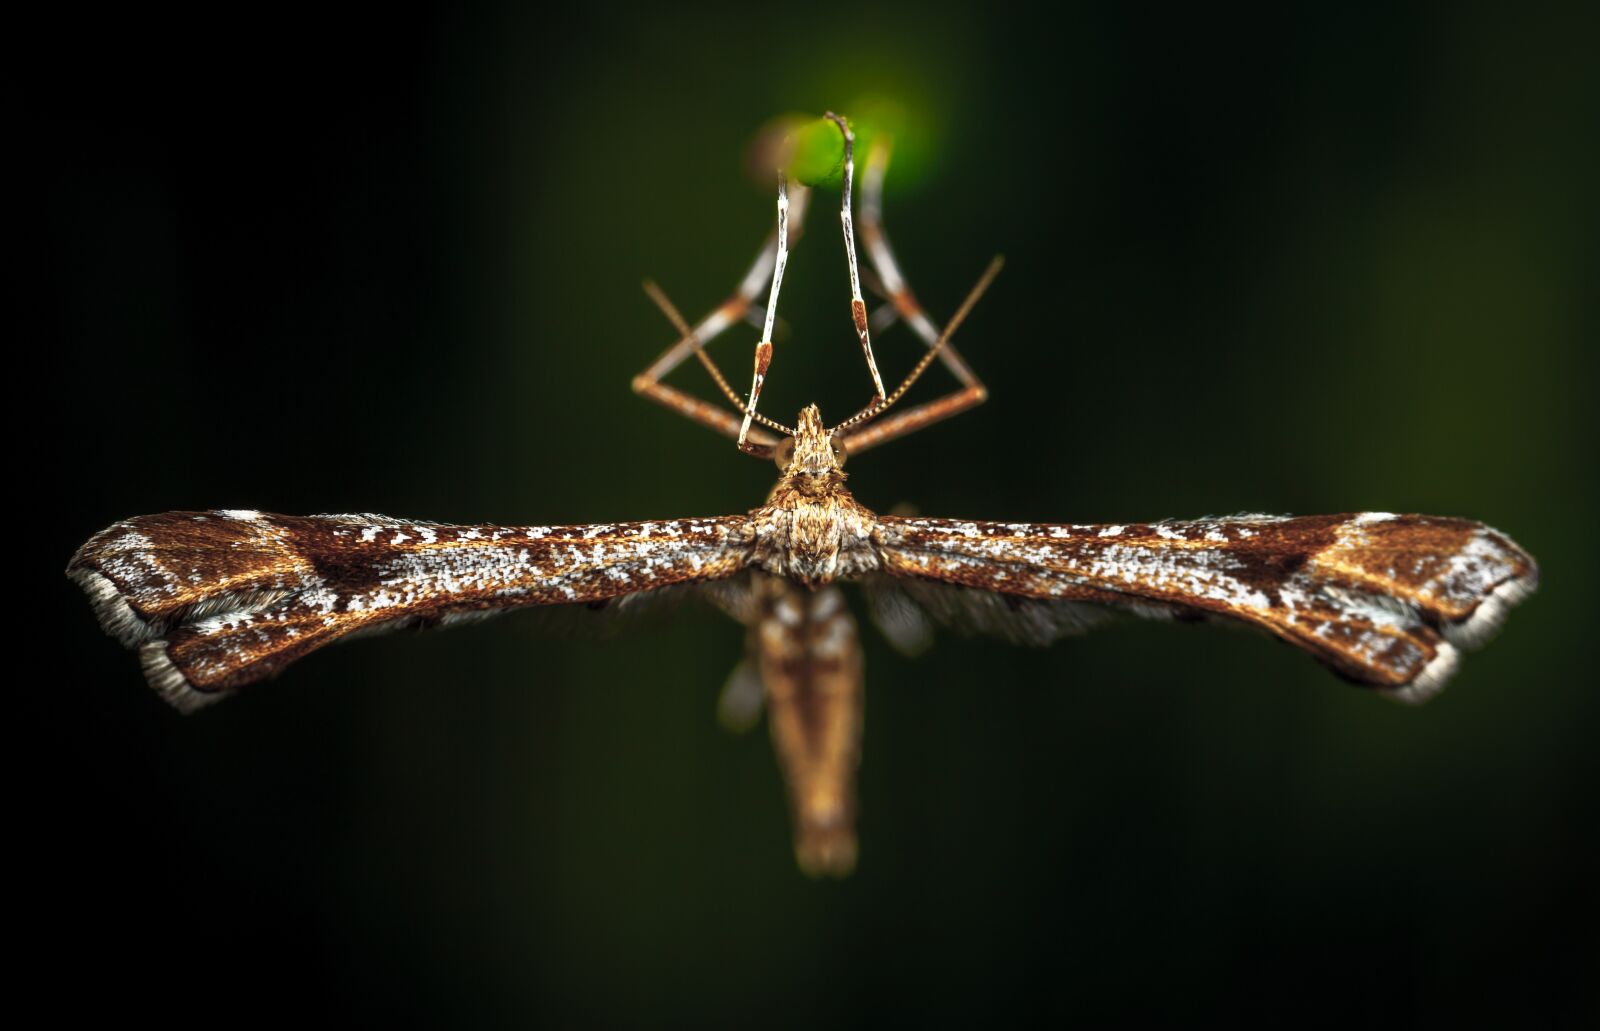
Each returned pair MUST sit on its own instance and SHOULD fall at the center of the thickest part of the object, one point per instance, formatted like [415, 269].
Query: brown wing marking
[217, 600]
[1383, 599]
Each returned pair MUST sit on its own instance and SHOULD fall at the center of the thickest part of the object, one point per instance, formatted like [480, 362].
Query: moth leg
[858, 307]
[847, 430]
[687, 404]
[903, 304]
[763, 356]
[742, 698]
[737, 308]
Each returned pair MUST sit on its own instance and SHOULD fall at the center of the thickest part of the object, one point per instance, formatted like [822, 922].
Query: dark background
[1303, 264]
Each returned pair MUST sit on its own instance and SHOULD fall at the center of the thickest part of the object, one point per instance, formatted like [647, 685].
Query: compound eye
[839, 453]
[784, 454]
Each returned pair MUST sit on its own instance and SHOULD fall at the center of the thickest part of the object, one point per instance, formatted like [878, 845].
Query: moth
[215, 601]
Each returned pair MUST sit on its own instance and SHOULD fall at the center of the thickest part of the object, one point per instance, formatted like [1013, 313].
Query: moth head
[811, 452]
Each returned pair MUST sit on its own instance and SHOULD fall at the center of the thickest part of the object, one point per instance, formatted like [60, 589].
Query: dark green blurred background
[340, 263]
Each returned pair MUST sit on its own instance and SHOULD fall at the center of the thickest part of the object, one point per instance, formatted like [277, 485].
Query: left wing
[1382, 599]
[217, 600]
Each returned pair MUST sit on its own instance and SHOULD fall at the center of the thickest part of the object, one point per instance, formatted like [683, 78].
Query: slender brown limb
[763, 356]
[876, 240]
[705, 413]
[670, 310]
[858, 307]
[913, 419]
[872, 411]
[903, 305]
[733, 310]
[688, 405]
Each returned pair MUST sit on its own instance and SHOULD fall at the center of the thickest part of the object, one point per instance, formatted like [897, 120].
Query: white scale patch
[787, 610]
[1471, 571]
[130, 559]
[836, 637]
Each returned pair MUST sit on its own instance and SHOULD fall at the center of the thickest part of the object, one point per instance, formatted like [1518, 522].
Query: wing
[1382, 599]
[217, 600]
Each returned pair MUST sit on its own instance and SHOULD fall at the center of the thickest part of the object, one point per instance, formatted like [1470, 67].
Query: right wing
[1382, 599]
[217, 600]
